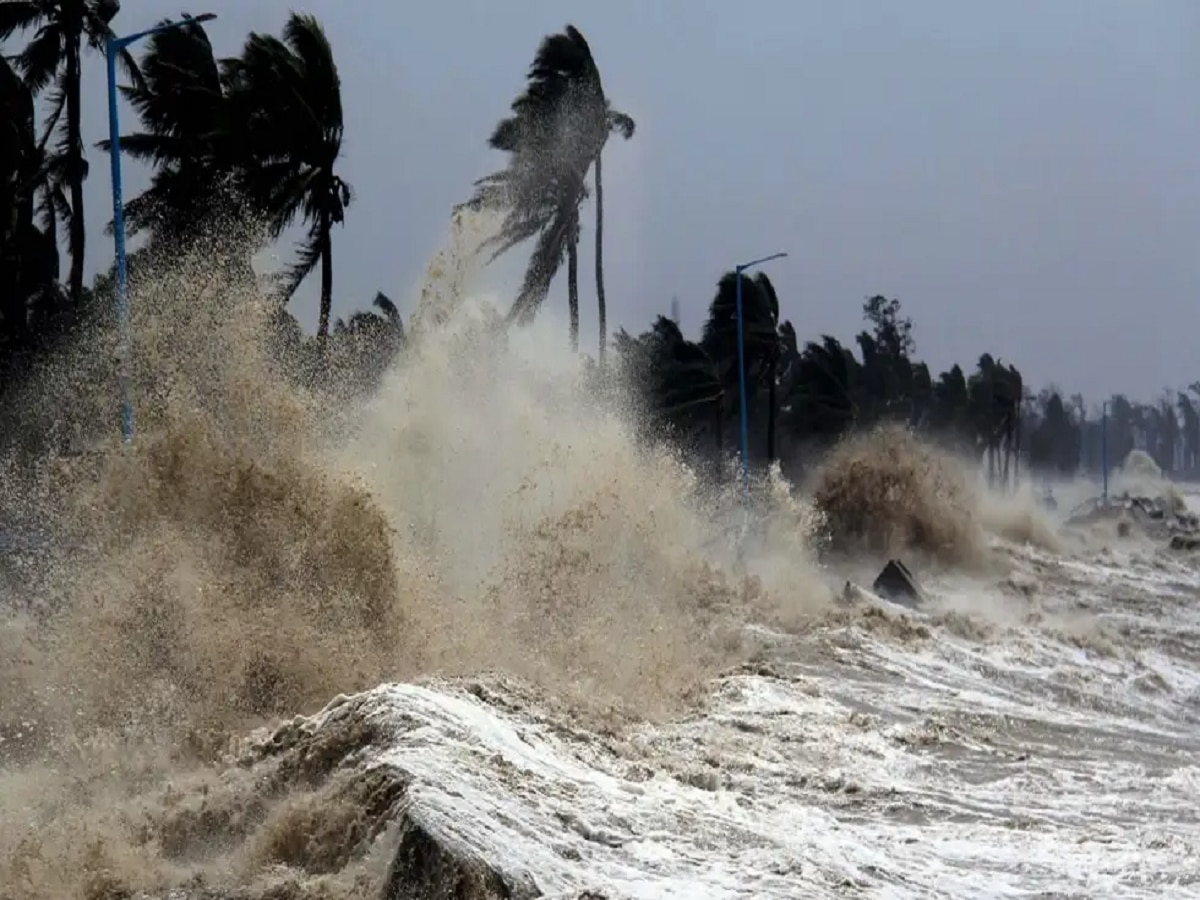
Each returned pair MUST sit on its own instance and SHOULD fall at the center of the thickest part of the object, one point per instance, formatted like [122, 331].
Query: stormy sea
[475, 636]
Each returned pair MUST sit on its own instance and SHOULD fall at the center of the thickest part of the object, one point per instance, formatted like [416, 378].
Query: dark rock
[432, 867]
[898, 584]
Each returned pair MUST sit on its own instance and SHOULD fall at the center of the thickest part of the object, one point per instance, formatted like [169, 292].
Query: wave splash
[264, 546]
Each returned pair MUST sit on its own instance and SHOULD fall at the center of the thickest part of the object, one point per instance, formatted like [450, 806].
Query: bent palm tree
[54, 56]
[287, 92]
[557, 129]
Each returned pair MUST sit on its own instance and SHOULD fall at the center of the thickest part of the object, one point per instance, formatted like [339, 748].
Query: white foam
[936, 767]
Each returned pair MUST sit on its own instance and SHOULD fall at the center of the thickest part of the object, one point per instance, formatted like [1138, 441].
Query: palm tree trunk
[719, 429]
[1017, 449]
[326, 280]
[600, 303]
[76, 165]
[1008, 448]
[771, 411]
[573, 291]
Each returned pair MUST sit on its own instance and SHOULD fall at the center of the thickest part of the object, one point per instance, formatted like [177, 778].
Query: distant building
[675, 310]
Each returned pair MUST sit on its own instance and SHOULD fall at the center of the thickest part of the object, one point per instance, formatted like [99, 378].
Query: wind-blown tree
[1189, 433]
[679, 386]
[1055, 439]
[368, 342]
[894, 387]
[18, 165]
[31, 308]
[951, 412]
[1122, 427]
[996, 392]
[187, 136]
[761, 338]
[823, 403]
[1169, 434]
[285, 95]
[53, 57]
[556, 132]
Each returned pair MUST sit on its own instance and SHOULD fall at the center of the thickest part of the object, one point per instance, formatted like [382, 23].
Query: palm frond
[41, 58]
[621, 123]
[307, 259]
[58, 103]
[20, 15]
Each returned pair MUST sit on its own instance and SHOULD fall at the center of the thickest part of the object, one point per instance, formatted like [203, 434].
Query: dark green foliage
[52, 60]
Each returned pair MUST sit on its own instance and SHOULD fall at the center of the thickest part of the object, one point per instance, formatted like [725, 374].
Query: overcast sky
[1022, 175]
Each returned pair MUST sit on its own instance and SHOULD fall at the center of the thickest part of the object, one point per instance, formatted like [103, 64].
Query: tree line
[259, 134]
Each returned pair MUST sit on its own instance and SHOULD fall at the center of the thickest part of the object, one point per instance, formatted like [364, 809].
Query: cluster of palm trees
[256, 133]
[257, 137]
[1064, 437]
[261, 133]
[804, 399]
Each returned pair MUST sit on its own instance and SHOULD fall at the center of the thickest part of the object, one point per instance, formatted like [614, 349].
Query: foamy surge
[677, 704]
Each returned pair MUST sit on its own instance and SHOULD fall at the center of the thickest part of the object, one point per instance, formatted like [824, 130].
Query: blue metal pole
[743, 414]
[741, 342]
[1104, 447]
[113, 47]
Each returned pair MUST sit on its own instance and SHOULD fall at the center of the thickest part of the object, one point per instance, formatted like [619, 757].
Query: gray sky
[1021, 175]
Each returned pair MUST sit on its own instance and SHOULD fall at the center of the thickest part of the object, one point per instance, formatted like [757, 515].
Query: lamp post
[113, 47]
[1104, 448]
[741, 342]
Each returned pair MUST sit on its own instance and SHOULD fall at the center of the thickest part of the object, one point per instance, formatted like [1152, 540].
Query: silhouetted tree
[557, 131]
[188, 136]
[54, 57]
[286, 95]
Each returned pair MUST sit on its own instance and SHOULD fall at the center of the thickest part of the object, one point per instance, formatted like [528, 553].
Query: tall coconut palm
[286, 95]
[557, 129]
[624, 125]
[53, 56]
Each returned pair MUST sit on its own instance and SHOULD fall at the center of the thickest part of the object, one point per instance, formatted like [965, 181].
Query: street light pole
[1104, 447]
[741, 342]
[113, 48]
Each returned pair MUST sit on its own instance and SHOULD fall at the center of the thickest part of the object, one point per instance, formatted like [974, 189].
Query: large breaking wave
[262, 548]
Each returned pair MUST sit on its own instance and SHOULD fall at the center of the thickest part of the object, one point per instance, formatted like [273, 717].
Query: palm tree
[18, 162]
[54, 57]
[624, 125]
[761, 337]
[185, 116]
[557, 130]
[31, 307]
[286, 95]
[679, 384]
[823, 402]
